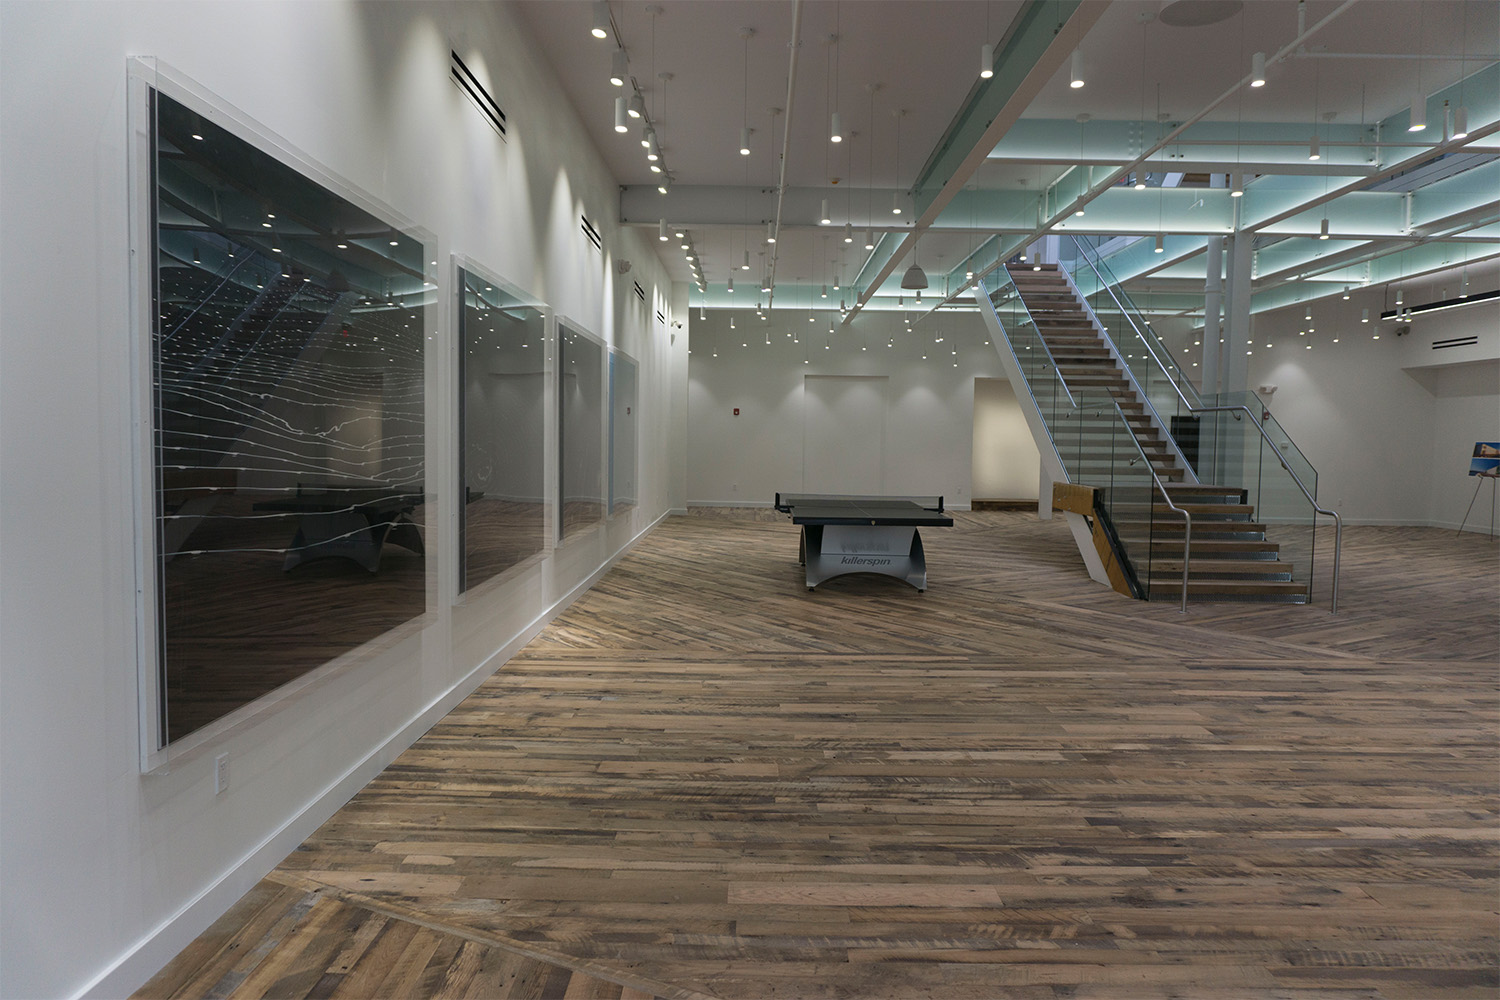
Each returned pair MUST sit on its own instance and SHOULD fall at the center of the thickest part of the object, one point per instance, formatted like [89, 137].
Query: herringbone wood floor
[704, 780]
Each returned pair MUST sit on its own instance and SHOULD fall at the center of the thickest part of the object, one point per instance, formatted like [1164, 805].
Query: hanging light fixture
[848, 232]
[770, 231]
[1463, 286]
[637, 107]
[746, 265]
[665, 184]
[1140, 182]
[1364, 315]
[744, 142]
[895, 202]
[1075, 74]
[1461, 123]
[1236, 185]
[824, 218]
[869, 240]
[1258, 70]
[1418, 113]
[1160, 244]
[1323, 229]
[661, 230]
[618, 68]
[986, 61]
[620, 124]
[601, 20]
[836, 131]
[824, 295]
[1315, 149]
[653, 150]
[915, 277]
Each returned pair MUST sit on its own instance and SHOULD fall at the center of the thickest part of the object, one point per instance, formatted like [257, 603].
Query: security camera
[623, 265]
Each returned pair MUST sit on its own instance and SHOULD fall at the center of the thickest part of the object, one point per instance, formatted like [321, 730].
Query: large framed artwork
[503, 387]
[624, 418]
[580, 429]
[283, 481]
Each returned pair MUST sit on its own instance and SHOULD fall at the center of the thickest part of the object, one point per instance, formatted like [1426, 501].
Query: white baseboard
[162, 943]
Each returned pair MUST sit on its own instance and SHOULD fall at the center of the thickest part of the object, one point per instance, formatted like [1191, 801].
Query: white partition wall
[108, 871]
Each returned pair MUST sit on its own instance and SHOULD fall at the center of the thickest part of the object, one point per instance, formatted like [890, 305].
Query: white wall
[1007, 465]
[108, 872]
[1387, 423]
[929, 425]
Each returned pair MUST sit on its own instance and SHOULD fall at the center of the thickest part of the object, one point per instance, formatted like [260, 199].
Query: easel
[1493, 481]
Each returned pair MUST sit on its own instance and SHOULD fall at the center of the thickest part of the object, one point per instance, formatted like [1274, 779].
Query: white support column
[1213, 290]
[1234, 367]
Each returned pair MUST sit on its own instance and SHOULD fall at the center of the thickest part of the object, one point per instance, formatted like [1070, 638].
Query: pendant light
[1461, 123]
[600, 28]
[1160, 244]
[618, 68]
[770, 231]
[661, 230]
[848, 233]
[746, 265]
[869, 240]
[836, 131]
[915, 277]
[637, 106]
[744, 142]
[1237, 186]
[986, 61]
[1418, 113]
[1258, 70]
[620, 124]
[1075, 74]
[1315, 149]
[824, 218]
[1323, 229]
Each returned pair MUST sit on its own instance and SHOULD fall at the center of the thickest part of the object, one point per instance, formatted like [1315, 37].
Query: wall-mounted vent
[660, 316]
[640, 292]
[470, 85]
[592, 233]
[1438, 345]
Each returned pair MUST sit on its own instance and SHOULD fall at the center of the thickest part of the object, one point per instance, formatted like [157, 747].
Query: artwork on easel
[1486, 460]
[1485, 464]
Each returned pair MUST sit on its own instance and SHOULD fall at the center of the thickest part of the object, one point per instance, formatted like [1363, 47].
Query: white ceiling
[922, 56]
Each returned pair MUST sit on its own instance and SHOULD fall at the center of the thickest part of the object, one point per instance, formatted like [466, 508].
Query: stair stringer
[1052, 464]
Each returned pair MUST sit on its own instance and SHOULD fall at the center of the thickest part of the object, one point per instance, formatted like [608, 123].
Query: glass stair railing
[1229, 440]
[1088, 429]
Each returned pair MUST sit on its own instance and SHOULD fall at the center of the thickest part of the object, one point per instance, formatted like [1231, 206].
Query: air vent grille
[1438, 345]
[640, 292]
[470, 85]
[592, 233]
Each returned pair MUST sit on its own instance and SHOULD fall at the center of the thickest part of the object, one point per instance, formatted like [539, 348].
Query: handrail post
[1338, 545]
[1187, 544]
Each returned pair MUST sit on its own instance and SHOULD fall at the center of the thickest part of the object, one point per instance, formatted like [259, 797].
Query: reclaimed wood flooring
[703, 780]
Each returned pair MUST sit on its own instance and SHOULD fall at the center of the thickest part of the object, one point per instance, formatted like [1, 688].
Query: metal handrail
[1040, 339]
[1338, 522]
[1187, 518]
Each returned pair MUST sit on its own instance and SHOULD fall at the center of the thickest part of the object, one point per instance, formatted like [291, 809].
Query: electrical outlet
[221, 774]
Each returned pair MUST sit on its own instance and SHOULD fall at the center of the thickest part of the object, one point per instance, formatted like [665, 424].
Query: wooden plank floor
[703, 780]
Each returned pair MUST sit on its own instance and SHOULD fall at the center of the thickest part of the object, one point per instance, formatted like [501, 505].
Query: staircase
[1231, 558]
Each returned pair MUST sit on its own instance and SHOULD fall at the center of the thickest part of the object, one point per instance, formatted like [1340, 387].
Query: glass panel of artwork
[287, 411]
[502, 360]
[580, 405]
[623, 416]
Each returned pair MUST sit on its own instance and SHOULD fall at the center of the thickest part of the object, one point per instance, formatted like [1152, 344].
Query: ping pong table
[863, 534]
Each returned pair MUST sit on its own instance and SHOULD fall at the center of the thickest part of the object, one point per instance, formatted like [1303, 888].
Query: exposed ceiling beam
[1031, 55]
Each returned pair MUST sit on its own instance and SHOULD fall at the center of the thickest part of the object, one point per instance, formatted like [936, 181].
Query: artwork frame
[484, 457]
[187, 226]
